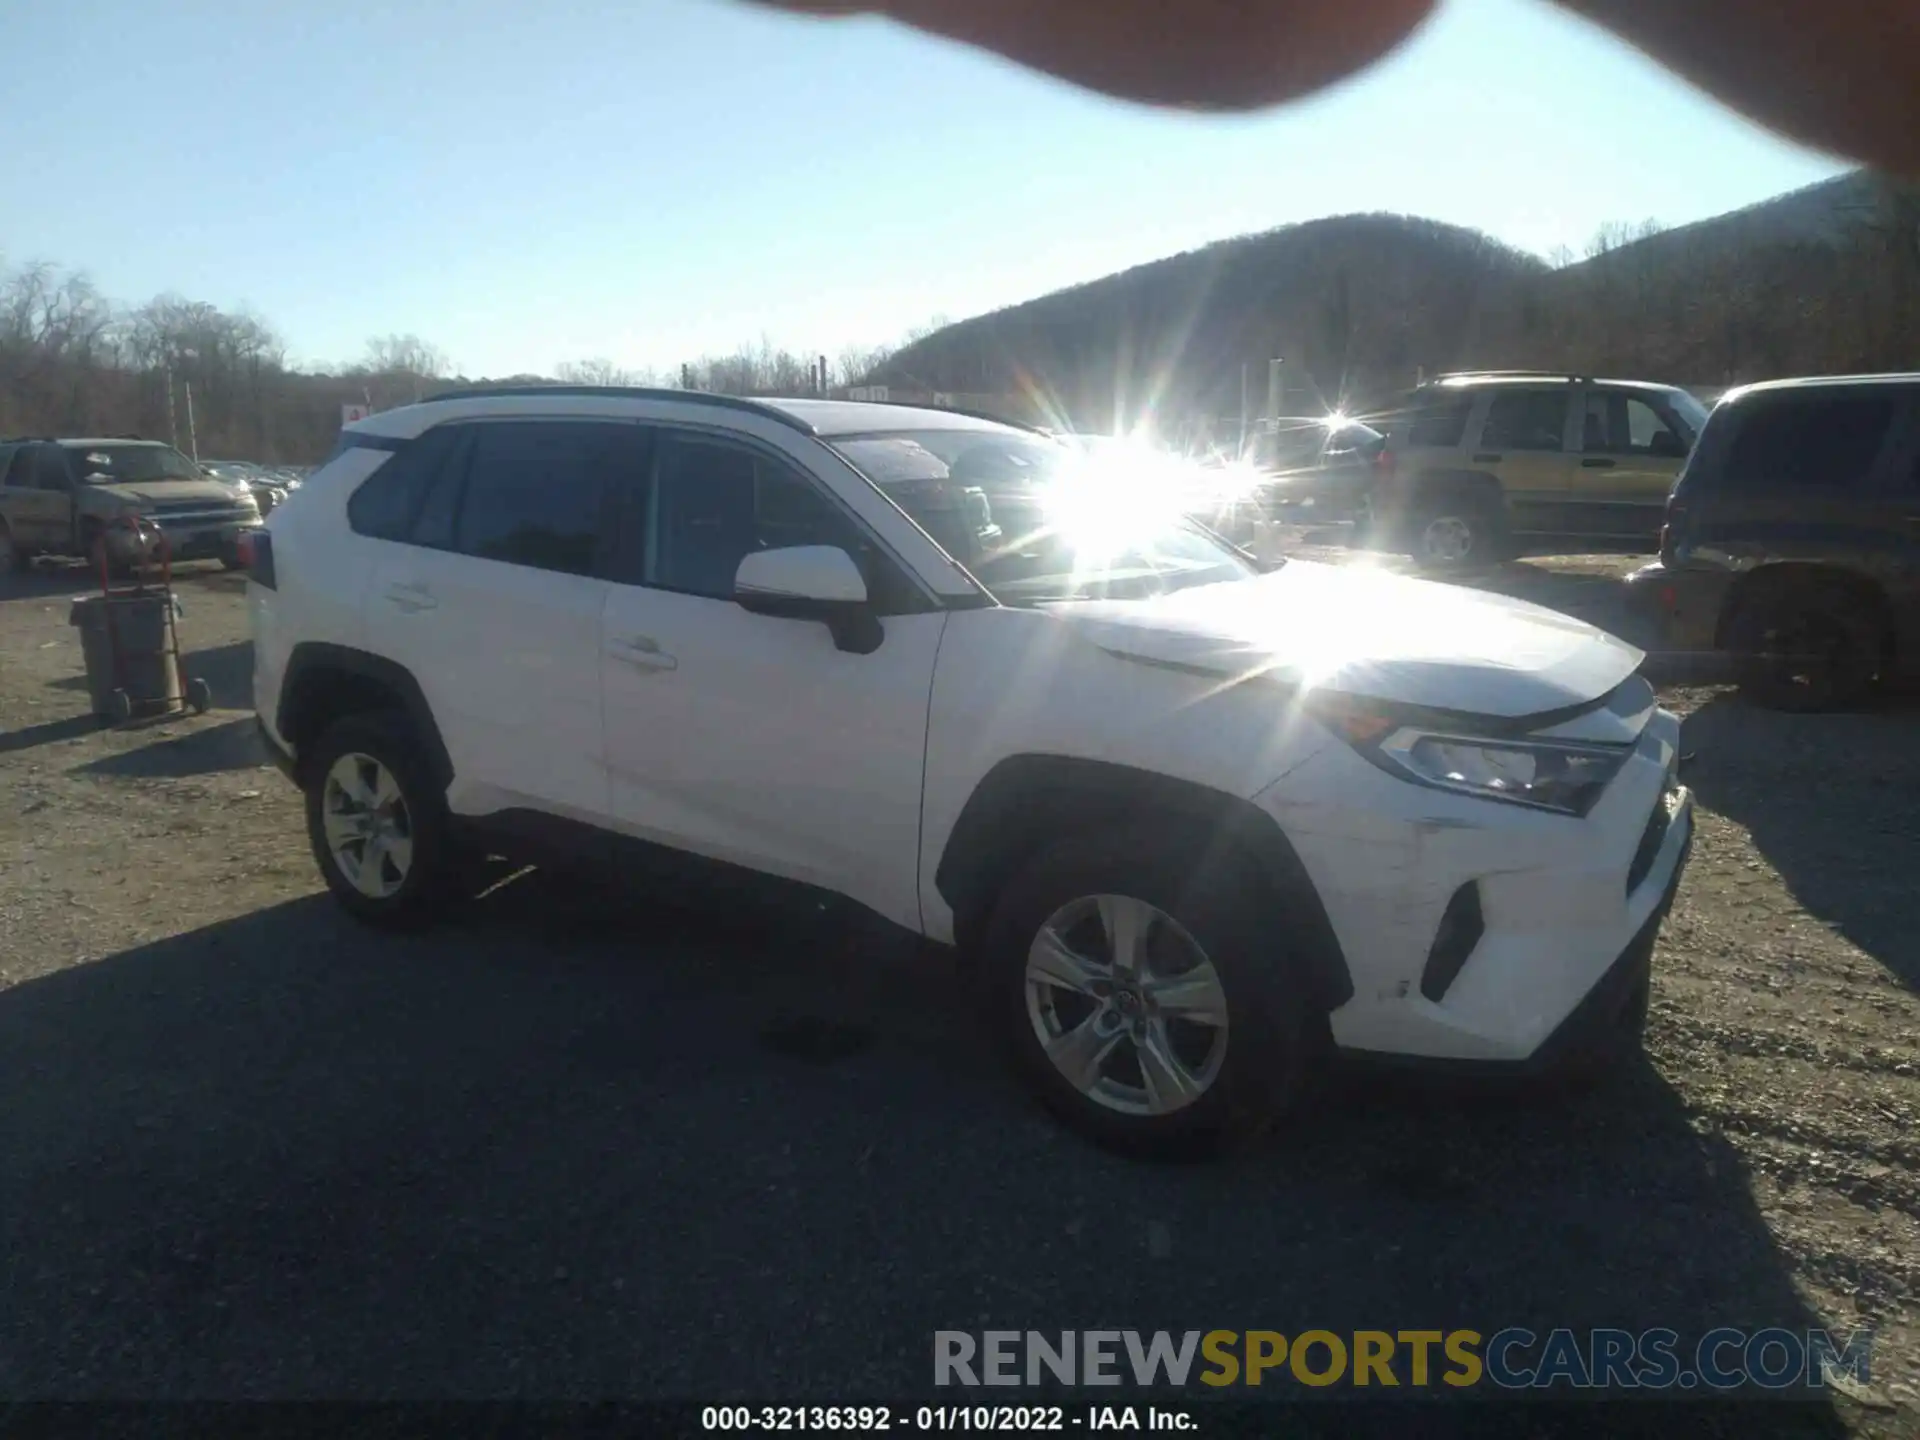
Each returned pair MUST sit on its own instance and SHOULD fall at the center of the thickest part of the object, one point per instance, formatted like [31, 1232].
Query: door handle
[1488, 459]
[644, 652]
[1596, 465]
[411, 599]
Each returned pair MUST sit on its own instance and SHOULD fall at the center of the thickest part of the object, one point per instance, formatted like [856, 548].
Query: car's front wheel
[378, 822]
[1144, 994]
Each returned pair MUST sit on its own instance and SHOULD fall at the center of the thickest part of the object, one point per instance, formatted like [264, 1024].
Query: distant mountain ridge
[1360, 306]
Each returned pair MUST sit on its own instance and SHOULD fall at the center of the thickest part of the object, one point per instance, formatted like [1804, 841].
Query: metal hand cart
[129, 632]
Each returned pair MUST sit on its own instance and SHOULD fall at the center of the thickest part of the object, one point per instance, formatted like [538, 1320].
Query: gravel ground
[592, 1143]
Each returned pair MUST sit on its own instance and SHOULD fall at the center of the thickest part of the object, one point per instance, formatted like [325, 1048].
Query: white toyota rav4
[1194, 824]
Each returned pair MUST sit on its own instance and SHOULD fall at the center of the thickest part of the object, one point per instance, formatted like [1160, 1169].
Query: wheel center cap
[1127, 1000]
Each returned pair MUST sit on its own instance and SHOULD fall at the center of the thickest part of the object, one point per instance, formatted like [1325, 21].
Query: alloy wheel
[368, 828]
[1126, 1005]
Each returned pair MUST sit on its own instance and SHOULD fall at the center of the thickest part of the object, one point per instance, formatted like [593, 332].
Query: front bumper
[214, 541]
[1562, 908]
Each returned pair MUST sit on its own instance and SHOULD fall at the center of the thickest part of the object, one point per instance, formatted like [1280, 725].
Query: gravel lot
[594, 1143]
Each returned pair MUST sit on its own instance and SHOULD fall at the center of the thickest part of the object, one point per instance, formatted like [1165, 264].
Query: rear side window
[1526, 420]
[384, 506]
[1441, 424]
[1825, 442]
[536, 492]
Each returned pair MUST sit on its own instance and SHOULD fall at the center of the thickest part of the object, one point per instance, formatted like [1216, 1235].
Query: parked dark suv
[1792, 540]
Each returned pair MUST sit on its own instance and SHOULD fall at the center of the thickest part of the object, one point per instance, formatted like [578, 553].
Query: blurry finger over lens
[1203, 54]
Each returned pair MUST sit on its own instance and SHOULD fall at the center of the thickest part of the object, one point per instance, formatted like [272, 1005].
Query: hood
[168, 492]
[1372, 635]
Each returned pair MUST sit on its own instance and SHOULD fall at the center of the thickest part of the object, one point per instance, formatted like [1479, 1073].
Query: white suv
[1195, 824]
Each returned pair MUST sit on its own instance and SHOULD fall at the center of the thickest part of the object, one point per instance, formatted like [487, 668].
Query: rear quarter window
[1438, 424]
[1826, 442]
[386, 502]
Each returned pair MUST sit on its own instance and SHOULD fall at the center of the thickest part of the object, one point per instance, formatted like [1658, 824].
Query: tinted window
[17, 470]
[713, 503]
[1443, 424]
[1526, 420]
[1828, 442]
[51, 470]
[1617, 424]
[384, 505]
[536, 492]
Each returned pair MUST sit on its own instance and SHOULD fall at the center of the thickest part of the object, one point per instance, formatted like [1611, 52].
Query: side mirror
[811, 582]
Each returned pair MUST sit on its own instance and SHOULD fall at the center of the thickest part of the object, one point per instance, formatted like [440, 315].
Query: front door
[1632, 450]
[749, 738]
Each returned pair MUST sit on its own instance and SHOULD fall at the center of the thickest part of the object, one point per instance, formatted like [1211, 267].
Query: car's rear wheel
[1457, 532]
[12, 558]
[378, 822]
[1806, 647]
[1144, 993]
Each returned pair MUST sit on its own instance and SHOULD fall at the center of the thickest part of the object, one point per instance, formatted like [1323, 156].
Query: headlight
[1560, 776]
[1544, 774]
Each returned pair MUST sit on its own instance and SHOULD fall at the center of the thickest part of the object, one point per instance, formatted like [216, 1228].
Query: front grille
[202, 514]
[1654, 835]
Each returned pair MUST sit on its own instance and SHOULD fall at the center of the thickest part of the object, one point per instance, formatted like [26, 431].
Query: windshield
[118, 464]
[1037, 521]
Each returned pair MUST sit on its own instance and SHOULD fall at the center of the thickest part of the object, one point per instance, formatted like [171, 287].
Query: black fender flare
[1027, 801]
[303, 688]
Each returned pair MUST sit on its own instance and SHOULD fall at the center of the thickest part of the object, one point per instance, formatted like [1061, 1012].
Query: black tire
[1475, 524]
[12, 558]
[199, 695]
[1806, 647]
[430, 880]
[1215, 896]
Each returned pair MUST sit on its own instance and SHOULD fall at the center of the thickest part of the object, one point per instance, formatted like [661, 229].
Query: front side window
[1620, 424]
[715, 502]
[130, 464]
[1534, 420]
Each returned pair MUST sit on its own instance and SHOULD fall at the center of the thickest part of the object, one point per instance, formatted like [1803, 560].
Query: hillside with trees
[1822, 280]
[1360, 307]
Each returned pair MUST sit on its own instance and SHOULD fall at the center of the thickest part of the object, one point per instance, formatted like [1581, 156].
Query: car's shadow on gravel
[1853, 867]
[589, 1143]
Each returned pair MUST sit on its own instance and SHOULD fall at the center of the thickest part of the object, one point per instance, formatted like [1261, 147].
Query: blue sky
[651, 180]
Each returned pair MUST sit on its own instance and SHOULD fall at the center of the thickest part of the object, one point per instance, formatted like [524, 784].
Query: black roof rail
[969, 413]
[1570, 379]
[627, 392]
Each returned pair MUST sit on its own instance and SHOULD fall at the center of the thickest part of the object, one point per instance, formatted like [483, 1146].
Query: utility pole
[173, 418]
[1245, 400]
[193, 439]
[1274, 392]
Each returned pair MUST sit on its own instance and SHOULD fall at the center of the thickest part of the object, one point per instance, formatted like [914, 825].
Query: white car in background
[1193, 826]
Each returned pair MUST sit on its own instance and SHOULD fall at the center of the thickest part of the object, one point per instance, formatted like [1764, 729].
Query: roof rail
[1513, 375]
[969, 413]
[626, 392]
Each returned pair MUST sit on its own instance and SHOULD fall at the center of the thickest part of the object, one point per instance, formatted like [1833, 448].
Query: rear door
[1632, 448]
[1525, 439]
[494, 599]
